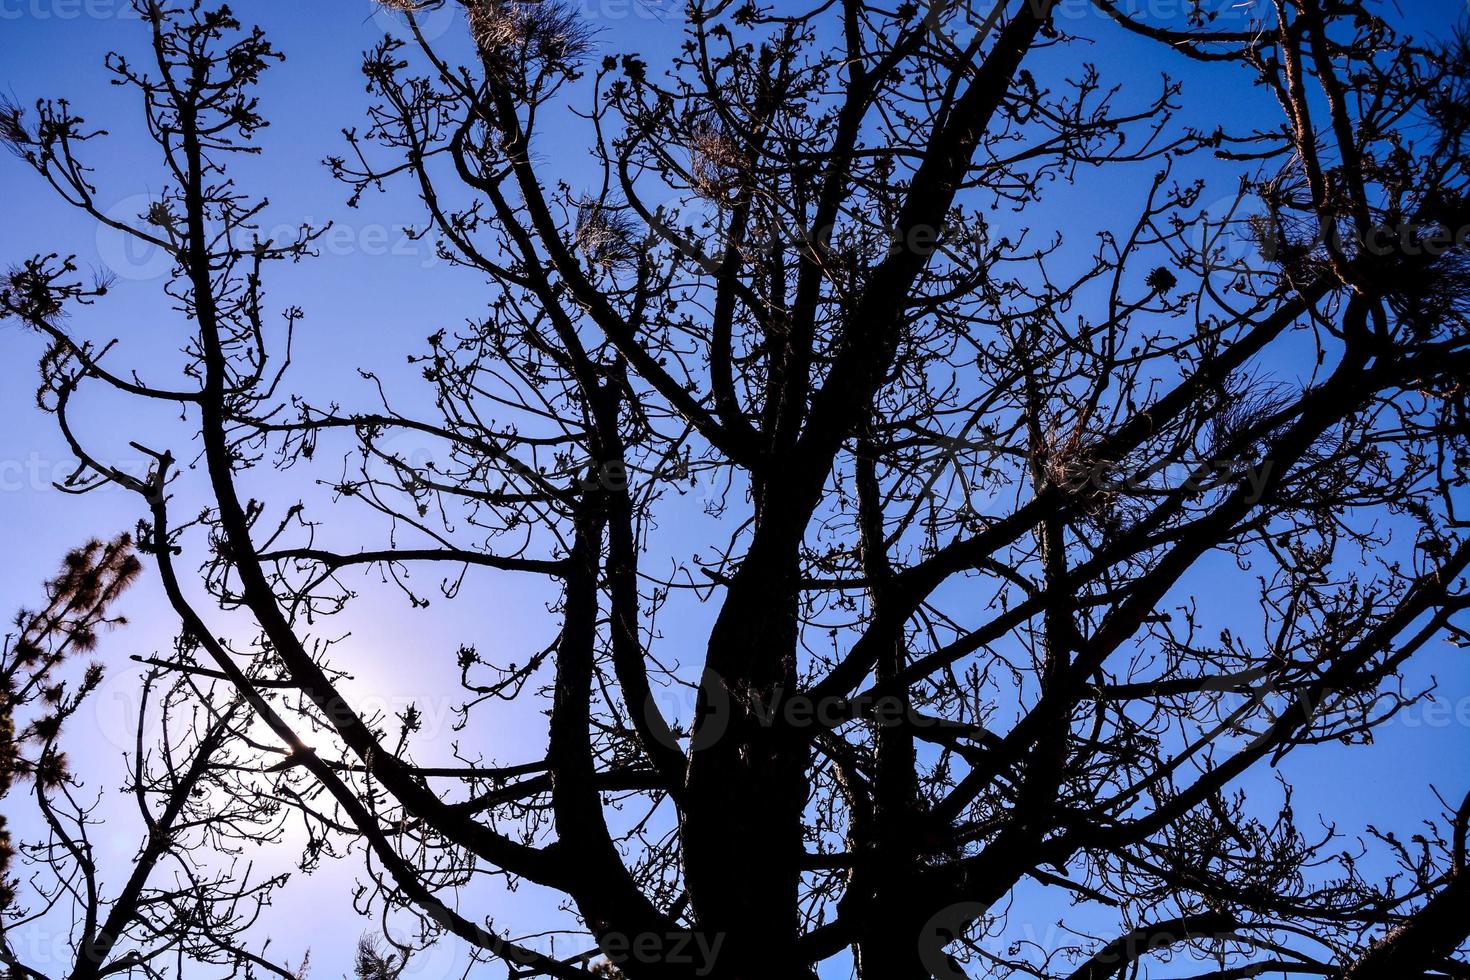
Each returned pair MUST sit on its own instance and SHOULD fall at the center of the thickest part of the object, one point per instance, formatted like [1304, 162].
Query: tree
[192, 820]
[972, 477]
[30, 664]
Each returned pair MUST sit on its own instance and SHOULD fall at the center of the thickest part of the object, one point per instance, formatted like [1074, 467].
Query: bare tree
[969, 476]
[181, 895]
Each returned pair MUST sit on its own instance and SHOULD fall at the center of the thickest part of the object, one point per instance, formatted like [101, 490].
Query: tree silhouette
[374, 962]
[975, 473]
[183, 895]
[31, 690]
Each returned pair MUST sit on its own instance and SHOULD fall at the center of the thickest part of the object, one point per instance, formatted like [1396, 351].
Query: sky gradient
[370, 298]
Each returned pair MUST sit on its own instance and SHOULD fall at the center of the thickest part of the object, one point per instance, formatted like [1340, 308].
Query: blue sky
[372, 297]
